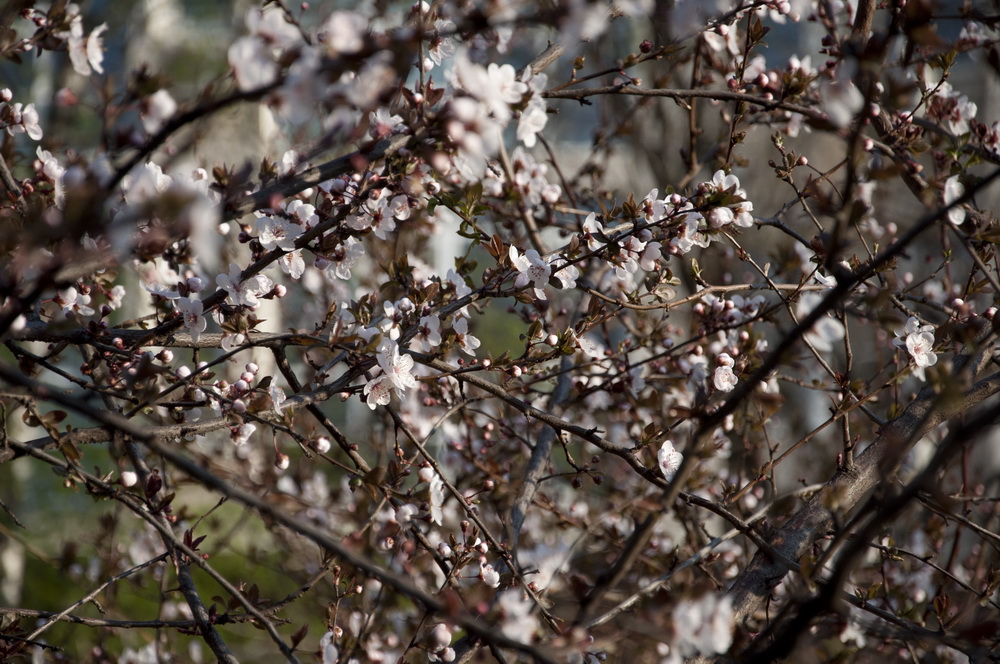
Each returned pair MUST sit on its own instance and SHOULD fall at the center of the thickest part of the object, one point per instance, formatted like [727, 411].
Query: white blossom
[953, 190]
[517, 618]
[468, 342]
[242, 434]
[277, 232]
[396, 365]
[25, 118]
[85, 53]
[489, 575]
[378, 392]
[344, 32]
[74, 301]
[669, 459]
[244, 292]
[156, 109]
[277, 397]
[328, 649]
[252, 63]
[724, 379]
[436, 491]
[918, 340]
[531, 268]
[428, 335]
[191, 311]
[705, 626]
[293, 264]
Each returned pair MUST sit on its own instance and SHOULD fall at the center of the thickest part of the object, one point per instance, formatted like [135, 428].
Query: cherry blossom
[244, 292]
[428, 333]
[293, 264]
[378, 391]
[156, 109]
[704, 626]
[724, 378]
[436, 492]
[393, 151]
[328, 649]
[344, 32]
[532, 269]
[252, 63]
[918, 340]
[344, 257]
[277, 397]
[589, 346]
[396, 366]
[517, 617]
[243, 432]
[568, 274]
[952, 108]
[468, 343]
[25, 118]
[85, 53]
[191, 310]
[74, 301]
[277, 232]
[669, 460]
[953, 190]
[489, 575]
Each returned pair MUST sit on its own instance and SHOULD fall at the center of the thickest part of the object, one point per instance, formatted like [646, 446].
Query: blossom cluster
[428, 338]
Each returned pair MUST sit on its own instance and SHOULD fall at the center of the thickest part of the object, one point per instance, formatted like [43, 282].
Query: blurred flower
[705, 626]
[953, 190]
[156, 109]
